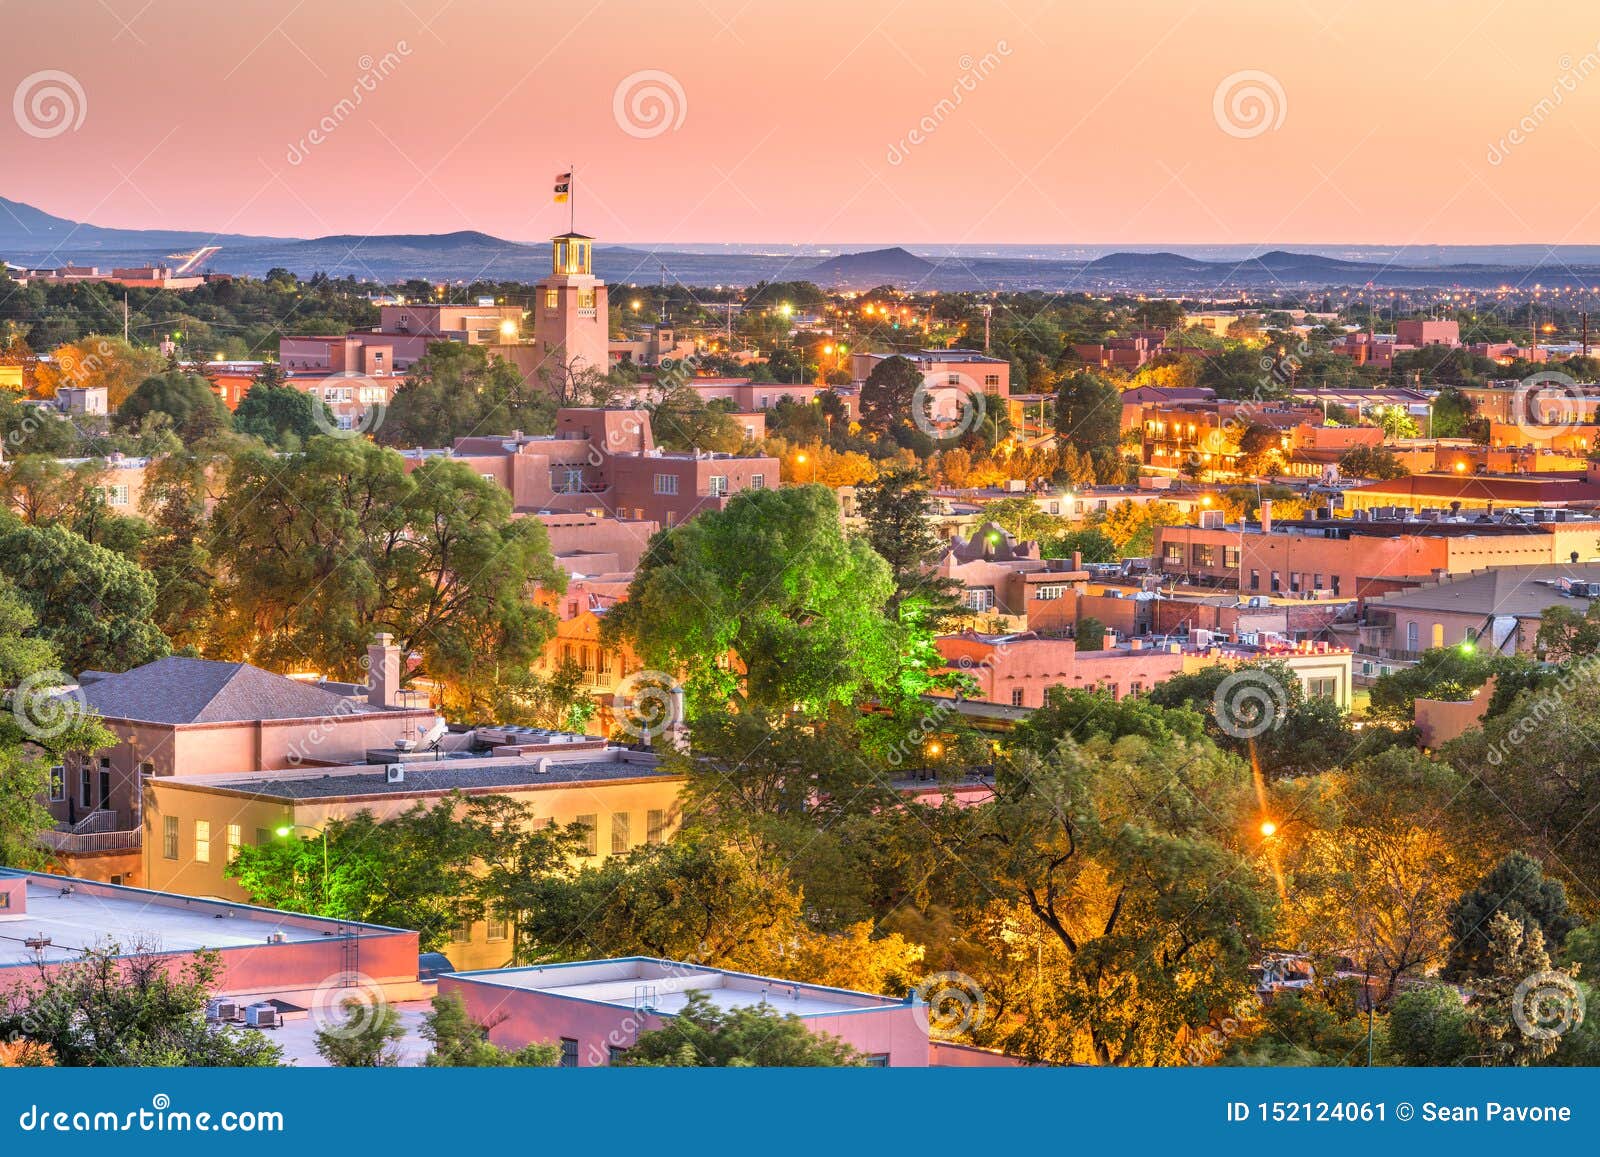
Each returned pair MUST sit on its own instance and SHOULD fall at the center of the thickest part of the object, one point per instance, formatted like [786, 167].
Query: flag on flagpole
[563, 187]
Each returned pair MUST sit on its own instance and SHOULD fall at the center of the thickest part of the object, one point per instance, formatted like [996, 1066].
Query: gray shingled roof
[177, 690]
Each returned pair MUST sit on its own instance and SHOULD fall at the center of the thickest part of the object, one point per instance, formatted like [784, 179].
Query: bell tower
[570, 320]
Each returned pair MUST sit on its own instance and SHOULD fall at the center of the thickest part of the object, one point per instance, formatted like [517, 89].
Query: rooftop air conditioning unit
[543, 766]
[1211, 520]
[219, 1009]
[394, 773]
[277, 938]
[262, 1016]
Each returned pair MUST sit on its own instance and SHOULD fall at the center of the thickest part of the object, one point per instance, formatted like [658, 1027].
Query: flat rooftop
[664, 986]
[95, 913]
[431, 778]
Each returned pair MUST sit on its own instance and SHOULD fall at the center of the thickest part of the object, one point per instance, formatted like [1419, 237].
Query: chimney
[383, 671]
[677, 729]
[1077, 560]
[14, 898]
[1266, 516]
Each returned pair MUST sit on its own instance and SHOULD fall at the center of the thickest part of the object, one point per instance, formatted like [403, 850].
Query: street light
[1268, 829]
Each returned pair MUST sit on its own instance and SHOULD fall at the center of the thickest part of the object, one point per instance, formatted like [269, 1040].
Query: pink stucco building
[596, 1009]
[46, 921]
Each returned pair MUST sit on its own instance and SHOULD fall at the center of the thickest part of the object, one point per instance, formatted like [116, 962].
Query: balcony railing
[74, 843]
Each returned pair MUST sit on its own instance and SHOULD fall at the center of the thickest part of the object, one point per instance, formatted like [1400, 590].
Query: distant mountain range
[32, 237]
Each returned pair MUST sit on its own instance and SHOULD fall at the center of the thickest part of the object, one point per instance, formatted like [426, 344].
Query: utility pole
[124, 317]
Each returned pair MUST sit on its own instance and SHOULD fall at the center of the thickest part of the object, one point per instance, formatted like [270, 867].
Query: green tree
[281, 415]
[365, 1038]
[186, 399]
[325, 547]
[683, 421]
[1088, 410]
[125, 1005]
[458, 390]
[22, 653]
[1431, 1027]
[703, 1035]
[773, 579]
[459, 1042]
[1371, 462]
[1129, 859]
[1094, 544]
[1517, 889]
[1090, 634]
[887, 394]
[93, 606]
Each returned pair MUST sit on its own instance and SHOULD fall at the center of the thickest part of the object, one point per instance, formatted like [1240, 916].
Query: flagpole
[572, 204]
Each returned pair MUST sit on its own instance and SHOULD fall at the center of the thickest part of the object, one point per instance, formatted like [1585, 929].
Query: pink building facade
[596, 1009]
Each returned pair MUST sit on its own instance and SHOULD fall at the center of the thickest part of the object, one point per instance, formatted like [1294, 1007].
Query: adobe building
[1368, 554]
[605, 460]
[596, 1009]
[181, 716]
[47, 921]
[194, 824]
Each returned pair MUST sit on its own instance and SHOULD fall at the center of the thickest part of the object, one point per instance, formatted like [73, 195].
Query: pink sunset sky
[1092, 123]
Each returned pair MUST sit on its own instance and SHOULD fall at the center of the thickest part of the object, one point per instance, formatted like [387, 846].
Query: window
[672, 518]
[1336, 585]
[1294, 581]
[202, 841]
[1277, 582]
[656, 825]
[991, 379]
[569, 1052]
[1323, 688]
[1438, 636]
[666, 483]
[263, 837]
[952, 379]
[86, 788]
[980, 598]
[117, 495]
[1255, 580]
[1016, 698]
[169, 837]
[614, 1054]
[1411, 636]
[461, 932]
[105, 787]
[585, 299]
[5, 900]
[58, 784]
[235, 837]
[494, 929]
[758, 482]
[1172, 552]
[621, 822]
[717, 485]
[567, 480]
[1135, 689]
[1050, 593]
[877, 1061]
[1230, 557]
[590, 847]
[552, 298]
[1205, 555]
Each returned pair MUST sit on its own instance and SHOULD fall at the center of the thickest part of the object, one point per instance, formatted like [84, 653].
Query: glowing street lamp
[1268, 829]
